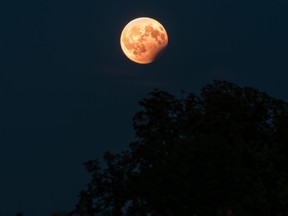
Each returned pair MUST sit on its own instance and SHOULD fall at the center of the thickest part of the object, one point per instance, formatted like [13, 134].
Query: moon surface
[143, 39]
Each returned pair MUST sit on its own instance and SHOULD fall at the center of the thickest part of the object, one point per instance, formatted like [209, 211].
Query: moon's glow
[143, 39]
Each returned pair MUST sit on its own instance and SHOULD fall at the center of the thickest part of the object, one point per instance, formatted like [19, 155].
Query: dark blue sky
[68, 93]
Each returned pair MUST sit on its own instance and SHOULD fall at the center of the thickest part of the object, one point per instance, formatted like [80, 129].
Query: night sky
[68, 93]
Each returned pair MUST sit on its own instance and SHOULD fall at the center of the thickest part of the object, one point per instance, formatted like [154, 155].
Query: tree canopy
[221, 152]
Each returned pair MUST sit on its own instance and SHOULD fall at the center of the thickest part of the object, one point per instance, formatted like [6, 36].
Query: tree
[222, 151]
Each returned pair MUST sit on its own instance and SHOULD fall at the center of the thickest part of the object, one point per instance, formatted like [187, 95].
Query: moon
[143, 39]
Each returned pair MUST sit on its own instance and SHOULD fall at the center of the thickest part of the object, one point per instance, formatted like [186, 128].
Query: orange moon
[143, 39]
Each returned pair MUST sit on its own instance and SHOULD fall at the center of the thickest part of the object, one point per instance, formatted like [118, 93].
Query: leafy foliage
[222, 151]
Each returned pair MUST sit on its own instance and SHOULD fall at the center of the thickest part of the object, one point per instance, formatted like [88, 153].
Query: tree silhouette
[223, 152]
